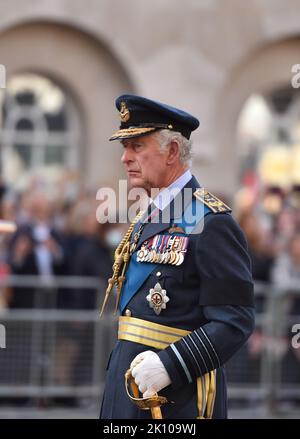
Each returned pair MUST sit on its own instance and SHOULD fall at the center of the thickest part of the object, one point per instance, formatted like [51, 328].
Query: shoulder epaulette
[211, 201]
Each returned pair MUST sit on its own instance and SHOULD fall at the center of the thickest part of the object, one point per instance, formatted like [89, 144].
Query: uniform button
[128, 313]
[158, 274]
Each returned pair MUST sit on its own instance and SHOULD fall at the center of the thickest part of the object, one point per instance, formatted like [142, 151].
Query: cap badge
[124, 112]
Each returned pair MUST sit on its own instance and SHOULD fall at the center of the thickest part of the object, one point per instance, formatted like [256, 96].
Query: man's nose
[126, 156]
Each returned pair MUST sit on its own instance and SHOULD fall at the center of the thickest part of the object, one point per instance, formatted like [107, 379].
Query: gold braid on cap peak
[121, 259]
[134, 131]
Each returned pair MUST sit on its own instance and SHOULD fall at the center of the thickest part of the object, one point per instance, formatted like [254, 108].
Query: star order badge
[157, 298]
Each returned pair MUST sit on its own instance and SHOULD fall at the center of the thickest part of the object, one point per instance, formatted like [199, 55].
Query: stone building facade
[206, 56]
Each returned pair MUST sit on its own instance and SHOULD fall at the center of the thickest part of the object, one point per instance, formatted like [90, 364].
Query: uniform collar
[175, 210]
[164, 198]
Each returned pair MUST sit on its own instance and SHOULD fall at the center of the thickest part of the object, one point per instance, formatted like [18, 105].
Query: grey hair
[165, 137]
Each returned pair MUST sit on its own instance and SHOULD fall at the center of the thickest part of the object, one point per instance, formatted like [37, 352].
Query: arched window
[40, 130]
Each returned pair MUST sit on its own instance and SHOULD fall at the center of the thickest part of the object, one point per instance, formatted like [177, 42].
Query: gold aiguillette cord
[121, 259]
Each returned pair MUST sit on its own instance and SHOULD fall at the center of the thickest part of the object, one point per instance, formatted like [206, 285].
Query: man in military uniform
[185, 291]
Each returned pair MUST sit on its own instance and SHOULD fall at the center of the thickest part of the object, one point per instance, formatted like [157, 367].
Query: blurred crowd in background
[55, 236]
[270, 220]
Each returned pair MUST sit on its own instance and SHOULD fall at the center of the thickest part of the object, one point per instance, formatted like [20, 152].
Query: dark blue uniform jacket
[211, 295]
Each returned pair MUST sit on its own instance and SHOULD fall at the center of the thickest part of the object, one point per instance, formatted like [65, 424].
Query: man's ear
[173, 152]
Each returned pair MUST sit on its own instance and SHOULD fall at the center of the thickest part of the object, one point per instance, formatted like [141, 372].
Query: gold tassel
[206, 390]
[121, 259]
[211, 394]
[121, 279]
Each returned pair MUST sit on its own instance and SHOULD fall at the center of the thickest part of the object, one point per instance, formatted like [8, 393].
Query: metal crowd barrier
[55, 357]
[264, 376]
[56, 353]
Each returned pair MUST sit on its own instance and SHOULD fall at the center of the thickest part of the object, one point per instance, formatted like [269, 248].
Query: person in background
[286, 275]
[286, 270]
[36, 249]
[92, 257]
[260, 252]
[246, 366]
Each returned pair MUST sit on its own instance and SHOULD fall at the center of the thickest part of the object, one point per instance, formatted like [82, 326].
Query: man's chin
[136, 181]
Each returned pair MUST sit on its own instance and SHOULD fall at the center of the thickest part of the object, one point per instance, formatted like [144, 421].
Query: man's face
[146, 164]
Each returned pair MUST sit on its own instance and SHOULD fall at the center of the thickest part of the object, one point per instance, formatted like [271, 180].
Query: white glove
[149, 373]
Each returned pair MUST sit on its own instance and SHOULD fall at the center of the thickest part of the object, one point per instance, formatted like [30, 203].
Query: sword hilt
[152, 403]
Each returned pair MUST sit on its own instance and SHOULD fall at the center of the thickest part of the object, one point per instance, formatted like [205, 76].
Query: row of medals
[163, 249]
